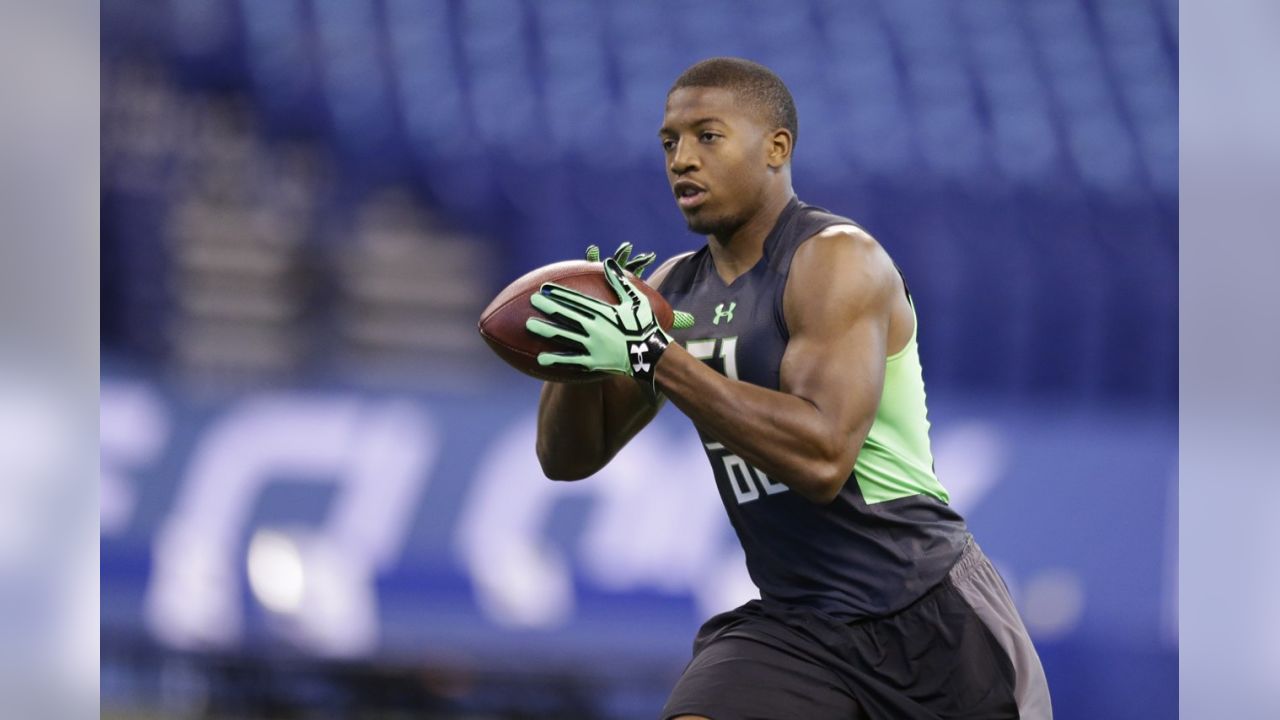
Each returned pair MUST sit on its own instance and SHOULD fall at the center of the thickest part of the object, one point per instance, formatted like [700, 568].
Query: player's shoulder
[843, 248]
[840, 273]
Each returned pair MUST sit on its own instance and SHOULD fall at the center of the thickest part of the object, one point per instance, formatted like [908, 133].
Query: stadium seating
[1018, 159]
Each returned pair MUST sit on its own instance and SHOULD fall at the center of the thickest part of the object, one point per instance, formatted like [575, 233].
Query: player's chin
[699, 221]
[709, 226]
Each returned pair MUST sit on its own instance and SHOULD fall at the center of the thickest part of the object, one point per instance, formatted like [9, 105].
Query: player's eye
[668, 144]
[708, 136]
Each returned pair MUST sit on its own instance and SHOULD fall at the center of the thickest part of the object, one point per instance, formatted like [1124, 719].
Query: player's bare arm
[582, 426]
[838, 304]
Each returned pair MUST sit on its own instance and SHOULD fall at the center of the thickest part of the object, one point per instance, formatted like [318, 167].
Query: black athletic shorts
[960, 651]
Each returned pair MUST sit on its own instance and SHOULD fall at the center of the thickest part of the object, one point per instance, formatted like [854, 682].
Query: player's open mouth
[689, 195]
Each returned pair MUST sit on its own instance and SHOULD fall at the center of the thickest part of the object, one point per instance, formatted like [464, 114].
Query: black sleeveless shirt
[849, 559]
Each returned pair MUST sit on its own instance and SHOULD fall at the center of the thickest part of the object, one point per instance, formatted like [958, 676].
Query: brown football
[502, 323]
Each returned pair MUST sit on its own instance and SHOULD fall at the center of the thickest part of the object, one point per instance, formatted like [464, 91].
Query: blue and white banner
[345, 524]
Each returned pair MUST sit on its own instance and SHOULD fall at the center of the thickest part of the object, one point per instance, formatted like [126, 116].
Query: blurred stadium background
[319, 497]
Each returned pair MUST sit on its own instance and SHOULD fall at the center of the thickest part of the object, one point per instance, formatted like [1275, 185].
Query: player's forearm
[784, 436]
[582, 426]
[570, 430]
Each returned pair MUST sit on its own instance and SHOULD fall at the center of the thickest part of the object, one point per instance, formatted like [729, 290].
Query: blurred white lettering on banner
[970, 458]
[656, 522]
[378, 453]
[133, 429]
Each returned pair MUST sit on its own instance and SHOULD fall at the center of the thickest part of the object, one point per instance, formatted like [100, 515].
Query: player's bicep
[837, 304]
[823, 367]
[841, 375]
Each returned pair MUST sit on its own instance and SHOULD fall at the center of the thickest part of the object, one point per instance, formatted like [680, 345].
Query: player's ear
[778, 147]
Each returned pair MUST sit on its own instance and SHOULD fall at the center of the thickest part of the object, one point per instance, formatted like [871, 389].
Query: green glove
[636, 266]
[624, 339]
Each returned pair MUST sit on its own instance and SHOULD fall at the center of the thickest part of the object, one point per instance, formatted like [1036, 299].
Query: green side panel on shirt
[896, 461]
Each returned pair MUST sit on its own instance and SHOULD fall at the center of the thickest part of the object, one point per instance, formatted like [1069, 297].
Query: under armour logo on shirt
[722, 313]
[638, 350]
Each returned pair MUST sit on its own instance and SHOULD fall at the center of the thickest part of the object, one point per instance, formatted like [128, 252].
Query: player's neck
[740, 250]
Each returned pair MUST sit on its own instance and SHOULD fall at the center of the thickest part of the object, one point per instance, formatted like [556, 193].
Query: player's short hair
[751, 81]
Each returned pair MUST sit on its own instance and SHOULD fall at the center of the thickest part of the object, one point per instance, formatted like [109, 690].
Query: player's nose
[684, 159]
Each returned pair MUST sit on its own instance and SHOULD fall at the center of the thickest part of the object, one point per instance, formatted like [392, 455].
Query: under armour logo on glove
[639, 365]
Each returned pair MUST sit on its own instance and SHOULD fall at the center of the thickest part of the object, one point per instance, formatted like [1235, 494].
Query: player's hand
[634, 265]
[622, 338]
